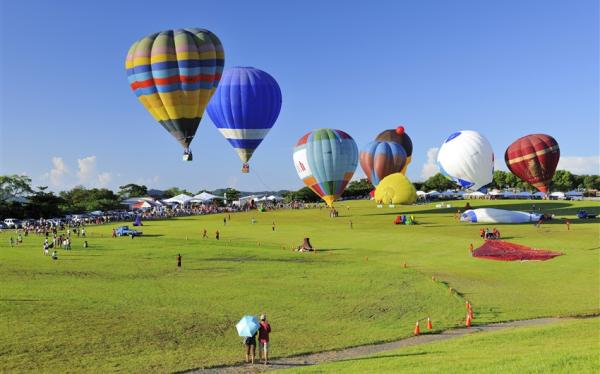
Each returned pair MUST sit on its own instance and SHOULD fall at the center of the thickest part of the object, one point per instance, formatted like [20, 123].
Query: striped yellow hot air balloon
[174, 73]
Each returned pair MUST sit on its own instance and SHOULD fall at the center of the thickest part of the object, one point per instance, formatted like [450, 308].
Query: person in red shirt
[263, 338]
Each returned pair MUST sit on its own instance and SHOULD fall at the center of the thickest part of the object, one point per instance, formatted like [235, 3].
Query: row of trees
[19, 199]
[562, 181]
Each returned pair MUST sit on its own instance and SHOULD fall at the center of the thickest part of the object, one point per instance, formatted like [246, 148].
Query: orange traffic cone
[429, 325]
[471, 313]
[417, 329]
[468, 321]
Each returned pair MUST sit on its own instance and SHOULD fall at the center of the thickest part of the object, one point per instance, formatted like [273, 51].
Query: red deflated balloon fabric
[504, 251]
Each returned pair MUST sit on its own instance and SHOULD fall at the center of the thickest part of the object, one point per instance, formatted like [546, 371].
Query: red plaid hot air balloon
[533, 158]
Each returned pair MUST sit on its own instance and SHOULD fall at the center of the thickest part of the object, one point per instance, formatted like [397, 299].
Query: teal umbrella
[247, 326]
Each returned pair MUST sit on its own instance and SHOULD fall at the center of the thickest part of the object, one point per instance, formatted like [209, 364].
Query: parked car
[125, 231]
[12, 223]
[3, 226]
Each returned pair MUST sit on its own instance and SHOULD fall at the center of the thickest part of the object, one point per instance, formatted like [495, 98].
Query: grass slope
[565, 347]
[122, 306]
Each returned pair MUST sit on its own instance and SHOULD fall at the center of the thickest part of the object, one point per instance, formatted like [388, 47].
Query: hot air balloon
[533, 158]
[325, 160]
[174, 73]
[380, 159]
[398, 135]
[396, 189]
[467, 158]
[244, 108]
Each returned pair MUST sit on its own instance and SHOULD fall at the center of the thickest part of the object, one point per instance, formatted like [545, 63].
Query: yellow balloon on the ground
[395, 189]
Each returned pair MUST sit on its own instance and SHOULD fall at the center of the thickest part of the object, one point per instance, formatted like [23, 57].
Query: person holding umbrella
[248, 329]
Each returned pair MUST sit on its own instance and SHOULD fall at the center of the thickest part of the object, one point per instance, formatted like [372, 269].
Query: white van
[12, 223]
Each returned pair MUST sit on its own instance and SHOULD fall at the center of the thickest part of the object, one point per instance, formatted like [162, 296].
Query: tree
[562, 180]
[499, 179]
[132, 190]
[231, 194]
[438, 182]
[44, 204]
[358, 188]
[14, 186]
[80, 199]
[307, 195]
[174, 191]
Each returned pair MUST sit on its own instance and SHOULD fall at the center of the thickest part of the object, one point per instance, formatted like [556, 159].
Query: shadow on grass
[333, 249]
[388, 356]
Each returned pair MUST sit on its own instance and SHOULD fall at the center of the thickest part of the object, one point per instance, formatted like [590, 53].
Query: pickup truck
[125, 231]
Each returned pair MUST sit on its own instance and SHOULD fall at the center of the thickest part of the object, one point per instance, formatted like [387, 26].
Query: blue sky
[504, 68]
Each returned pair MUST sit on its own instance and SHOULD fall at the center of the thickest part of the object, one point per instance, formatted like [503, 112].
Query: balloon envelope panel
[533, 158]
[174, 74]
[325, 160]
[245, 107]
[467, 158]
[380, 159]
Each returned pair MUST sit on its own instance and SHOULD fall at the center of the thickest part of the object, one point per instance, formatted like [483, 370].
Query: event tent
[180, 199]
[205, 197]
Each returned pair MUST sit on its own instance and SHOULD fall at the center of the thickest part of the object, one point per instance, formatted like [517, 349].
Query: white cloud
[430, 167]
[87, 169]
[104, 179]
[580, 165]
[58, 172]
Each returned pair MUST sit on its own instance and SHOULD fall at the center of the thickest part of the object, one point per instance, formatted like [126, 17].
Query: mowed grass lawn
[564, 347]
[121, 305]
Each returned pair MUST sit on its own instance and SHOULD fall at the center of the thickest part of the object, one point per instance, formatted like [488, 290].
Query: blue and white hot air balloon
[244, 107]
[467, 158]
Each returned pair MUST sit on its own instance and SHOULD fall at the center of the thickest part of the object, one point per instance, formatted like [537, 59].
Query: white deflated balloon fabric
[467, 158]
[492, 215]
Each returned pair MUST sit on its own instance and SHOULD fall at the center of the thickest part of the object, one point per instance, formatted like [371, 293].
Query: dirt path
[366, 350]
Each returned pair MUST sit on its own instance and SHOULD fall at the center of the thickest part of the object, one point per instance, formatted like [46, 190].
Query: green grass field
[120, 305]
[567, 347]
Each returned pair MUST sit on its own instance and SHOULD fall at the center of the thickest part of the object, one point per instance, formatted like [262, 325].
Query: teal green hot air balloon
[325, 160]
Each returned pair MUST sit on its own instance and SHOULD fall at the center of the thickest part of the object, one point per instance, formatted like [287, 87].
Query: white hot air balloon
[491, 215]
[467, 158]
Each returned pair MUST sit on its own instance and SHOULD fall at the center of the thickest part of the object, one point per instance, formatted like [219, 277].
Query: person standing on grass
[250, 343]
[217, 234]
[204, 234]
[263, 338]
[224, 221]
[179, 262]
[273, 228]
[350, 224]
[568, 223]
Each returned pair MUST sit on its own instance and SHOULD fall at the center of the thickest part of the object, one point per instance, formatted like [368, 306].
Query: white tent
[205, 197]
[558, 195]
[495, 192]
[475, 194]
[180, 199]
[433, 193]
[274, 198]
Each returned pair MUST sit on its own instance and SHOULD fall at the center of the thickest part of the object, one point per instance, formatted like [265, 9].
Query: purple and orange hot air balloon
[379, 159]
[398, 135]
[533, 158]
